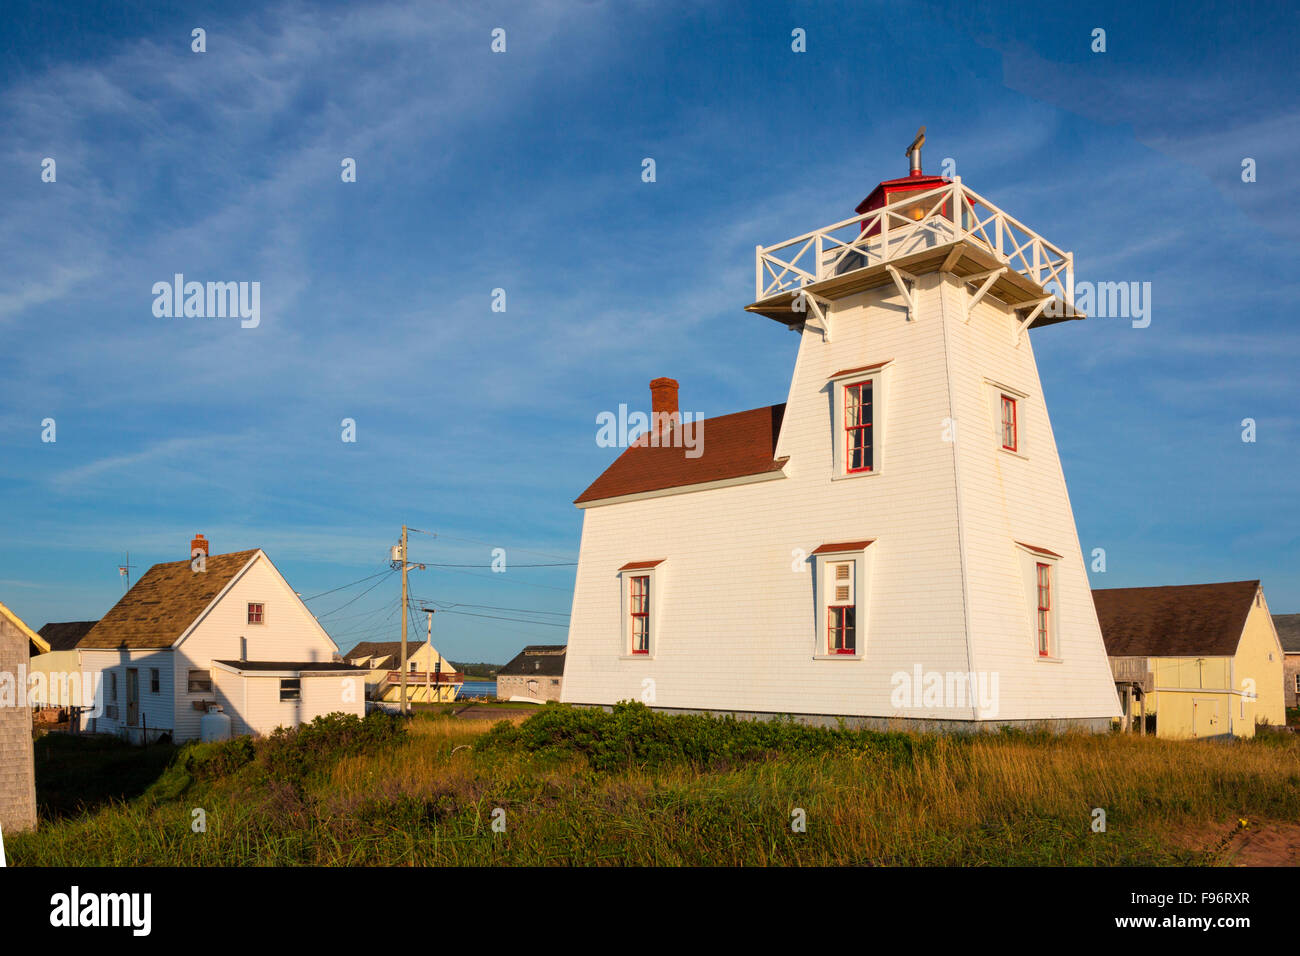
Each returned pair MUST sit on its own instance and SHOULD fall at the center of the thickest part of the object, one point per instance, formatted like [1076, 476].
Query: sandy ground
[1259, 843]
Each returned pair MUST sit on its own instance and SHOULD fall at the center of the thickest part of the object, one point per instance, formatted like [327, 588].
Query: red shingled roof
[1193, 620]
[732, 446]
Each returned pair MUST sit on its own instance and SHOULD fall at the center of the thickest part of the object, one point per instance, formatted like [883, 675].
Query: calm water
[478, 688]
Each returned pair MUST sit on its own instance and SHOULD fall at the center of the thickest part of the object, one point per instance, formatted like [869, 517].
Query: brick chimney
[663, 405]
[199, 543]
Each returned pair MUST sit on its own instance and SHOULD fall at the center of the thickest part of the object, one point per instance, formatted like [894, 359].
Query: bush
[633, 734]
[294, 752]
[220, 759]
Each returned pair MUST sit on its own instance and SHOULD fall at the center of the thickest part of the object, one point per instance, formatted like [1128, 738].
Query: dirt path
[1258, 843]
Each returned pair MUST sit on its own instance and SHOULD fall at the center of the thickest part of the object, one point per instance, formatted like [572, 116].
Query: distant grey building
[1288, 632]
[537, 672]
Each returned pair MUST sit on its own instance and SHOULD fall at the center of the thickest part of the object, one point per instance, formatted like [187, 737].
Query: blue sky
[522, 171]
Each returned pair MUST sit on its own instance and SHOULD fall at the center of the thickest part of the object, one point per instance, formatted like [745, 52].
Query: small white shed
[260, 696]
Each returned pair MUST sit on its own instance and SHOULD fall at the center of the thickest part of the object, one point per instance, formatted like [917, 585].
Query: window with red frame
[639, 607]
[841, 639]
[255, 613]
[857, 427]
[1010, 441]
[1044, 609]
[841, 612]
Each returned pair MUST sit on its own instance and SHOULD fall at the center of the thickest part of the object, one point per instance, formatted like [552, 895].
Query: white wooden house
[153, 655]
[894, 543]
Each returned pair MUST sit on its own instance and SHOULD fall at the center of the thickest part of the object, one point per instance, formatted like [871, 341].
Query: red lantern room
[895, 190]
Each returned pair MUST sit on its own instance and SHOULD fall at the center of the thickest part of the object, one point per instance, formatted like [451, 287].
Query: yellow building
[1204, 658]
[430, 677]
[58, 665]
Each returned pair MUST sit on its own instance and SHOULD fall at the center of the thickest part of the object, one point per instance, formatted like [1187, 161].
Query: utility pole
[404, 568]
[428, 675]
[397, 554]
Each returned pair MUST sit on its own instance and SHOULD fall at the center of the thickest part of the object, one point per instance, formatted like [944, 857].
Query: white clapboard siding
[289, 633]
[736, 609]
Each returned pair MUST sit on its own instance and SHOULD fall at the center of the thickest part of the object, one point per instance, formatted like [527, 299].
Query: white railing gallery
[912, 222]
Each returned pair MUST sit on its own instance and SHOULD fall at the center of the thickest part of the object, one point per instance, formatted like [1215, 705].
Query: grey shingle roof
[1288, 631]
[1192, 620]
[65, 635]
[546, 660]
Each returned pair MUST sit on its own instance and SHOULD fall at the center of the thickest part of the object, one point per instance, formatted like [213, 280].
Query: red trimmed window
[841, 611]
[1010, 440]
[840, 639]
[1044, 609]
[256, 613]
[639, 608]
[857, 427]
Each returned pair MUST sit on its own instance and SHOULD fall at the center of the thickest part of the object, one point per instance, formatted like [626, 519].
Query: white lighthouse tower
[894, 544]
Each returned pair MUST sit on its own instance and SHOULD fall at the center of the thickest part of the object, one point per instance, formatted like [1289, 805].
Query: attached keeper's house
[223, 630]
[892, 544]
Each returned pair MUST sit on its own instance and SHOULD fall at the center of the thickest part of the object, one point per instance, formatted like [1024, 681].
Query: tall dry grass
[430, 800]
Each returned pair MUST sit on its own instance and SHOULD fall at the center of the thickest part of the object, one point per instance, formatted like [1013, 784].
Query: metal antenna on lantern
[913, 153]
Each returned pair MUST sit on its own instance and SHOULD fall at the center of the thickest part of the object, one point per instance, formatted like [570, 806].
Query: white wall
[289, 634]
[252, 701]
[155, 709]
[735, 616]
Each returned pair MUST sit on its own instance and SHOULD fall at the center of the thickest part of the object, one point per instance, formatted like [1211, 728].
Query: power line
[358, 597]
[517, 620]
[493, 607]
[342, 586]
[565, 564]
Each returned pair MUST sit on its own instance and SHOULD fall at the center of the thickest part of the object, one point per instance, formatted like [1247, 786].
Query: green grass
[636, 787]
[74, 774]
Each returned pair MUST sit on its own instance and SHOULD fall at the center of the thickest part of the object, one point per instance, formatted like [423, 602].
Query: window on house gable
[256, 613]
[639, 613]
[200, 682]
[290, 688]
[1010, 439]
[1044, 590]
[857, 427]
